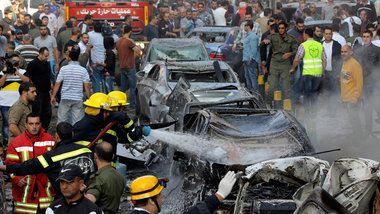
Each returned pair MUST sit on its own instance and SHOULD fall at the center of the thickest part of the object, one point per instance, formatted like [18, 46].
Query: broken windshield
[186, 53]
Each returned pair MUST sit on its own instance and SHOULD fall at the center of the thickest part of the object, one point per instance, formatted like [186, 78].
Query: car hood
[207, 92]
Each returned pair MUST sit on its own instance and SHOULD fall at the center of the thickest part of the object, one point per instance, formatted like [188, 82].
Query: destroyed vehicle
[218, 41]
[351, 182]
[242, 136]
[269, 186]
[207, 81]
[182, 49]
[253, 134]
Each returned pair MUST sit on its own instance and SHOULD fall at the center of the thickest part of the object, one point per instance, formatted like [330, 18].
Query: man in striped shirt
[72, 77]
[27, 50]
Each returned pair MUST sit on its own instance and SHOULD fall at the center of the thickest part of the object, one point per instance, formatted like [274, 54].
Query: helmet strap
[154, 198]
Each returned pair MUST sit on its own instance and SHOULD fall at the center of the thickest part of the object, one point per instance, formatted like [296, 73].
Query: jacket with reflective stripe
[22, 148]
[312, 61]
[51, 163]
[87, 129]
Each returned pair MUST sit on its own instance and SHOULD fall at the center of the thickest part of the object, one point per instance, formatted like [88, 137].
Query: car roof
[214, 29]
[196, 65]
[319, 22]
[176, 41]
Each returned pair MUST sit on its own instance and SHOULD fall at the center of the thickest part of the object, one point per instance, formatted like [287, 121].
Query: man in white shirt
[53, 22]
[73, 79]
[333, 67]
[259, 10]
[219, 14]
[336, 36]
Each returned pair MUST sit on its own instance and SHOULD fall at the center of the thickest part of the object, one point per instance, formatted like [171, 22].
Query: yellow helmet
[146, 187]
[119, 98]
[100, 101]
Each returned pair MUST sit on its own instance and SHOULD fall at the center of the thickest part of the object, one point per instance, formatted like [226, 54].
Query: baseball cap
[69, 172]
[18, 31]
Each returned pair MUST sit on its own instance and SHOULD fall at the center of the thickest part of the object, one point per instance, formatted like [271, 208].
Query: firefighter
[119, 103]
[147, 198]
[66, 152]
[32, 193]
[99, 113]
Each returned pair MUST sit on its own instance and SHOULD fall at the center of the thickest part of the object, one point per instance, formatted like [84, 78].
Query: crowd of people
[50, 62]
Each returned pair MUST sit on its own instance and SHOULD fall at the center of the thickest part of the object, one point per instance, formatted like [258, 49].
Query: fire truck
[112, 11]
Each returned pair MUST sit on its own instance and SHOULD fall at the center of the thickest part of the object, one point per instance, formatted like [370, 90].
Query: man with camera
[11, 77]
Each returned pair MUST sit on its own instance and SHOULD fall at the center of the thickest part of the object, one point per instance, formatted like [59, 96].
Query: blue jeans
[108, 83]
[297, 83]
[250, 75]
[97, 78]
[310, 89]
[4, 114]
[128, 81]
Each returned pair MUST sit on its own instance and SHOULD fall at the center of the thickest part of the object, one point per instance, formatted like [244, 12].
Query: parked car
[208, 81]
[169, 49]
[218, 41]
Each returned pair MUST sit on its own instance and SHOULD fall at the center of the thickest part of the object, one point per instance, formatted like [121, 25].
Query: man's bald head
[104, 151]
[346, 52]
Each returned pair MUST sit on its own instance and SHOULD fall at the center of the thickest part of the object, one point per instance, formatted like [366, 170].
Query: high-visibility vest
[312, 61]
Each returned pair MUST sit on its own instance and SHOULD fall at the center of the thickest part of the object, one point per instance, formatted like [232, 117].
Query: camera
[10, 64]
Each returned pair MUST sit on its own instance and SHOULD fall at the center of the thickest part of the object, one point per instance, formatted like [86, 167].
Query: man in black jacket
[147, 198]
[368, 56]
[333, 66]
[165, 29]
[66, 152]
[71, 182]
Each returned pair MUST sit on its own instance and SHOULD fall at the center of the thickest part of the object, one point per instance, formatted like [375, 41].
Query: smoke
[329, 130]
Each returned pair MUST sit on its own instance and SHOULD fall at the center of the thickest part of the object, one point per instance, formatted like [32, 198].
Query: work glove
[139, 131]
[226, 184]
[146, 131]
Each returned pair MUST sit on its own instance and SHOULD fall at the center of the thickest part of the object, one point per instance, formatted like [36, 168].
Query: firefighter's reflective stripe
[25, 207]
[83, 143]
[113, 133]
[113, 164]
[46, 199]
[70, 154]
[24, 149]
[28, 205]
[86, 143]
[12, 156]
[128, 124]
[45, 205]
[26, 189]
[45, 202]
[44, 143]
[42, 160]
[129, 138]
[48, 190]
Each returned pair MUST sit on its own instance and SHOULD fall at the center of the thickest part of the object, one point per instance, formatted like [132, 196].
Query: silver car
[204, 81]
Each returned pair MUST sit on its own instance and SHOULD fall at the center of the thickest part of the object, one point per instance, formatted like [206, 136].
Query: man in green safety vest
[314, 63]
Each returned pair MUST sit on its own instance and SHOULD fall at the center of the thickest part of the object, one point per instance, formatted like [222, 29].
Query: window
[154, 73]
[186, 53]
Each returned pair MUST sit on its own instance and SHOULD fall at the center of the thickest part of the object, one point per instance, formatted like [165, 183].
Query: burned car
[182, 49]
[209, 81]
[241, 135]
